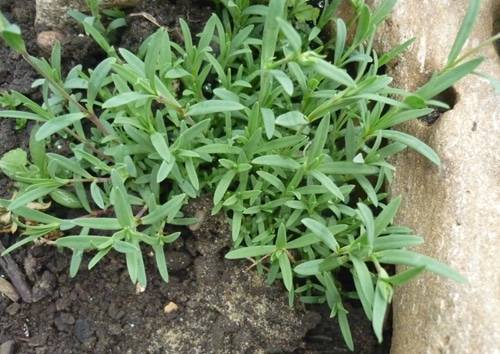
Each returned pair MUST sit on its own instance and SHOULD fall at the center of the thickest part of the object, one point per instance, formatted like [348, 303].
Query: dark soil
[221, 308]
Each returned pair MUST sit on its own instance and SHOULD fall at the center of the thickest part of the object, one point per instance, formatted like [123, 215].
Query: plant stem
[90, 115]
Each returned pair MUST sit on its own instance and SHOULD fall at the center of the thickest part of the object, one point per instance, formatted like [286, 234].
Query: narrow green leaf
[394, 52]
[396, 242]
[364, 278]
[281, 238]
[161, 146]
[269, 121]
[328, 183]
[387, 215]
[332, 72]
[309, 267]
[223, 185]
[11, 34]
[125, 98]
[22, 115]
[81, 194]
[96, 80]
[465, 30]
[347, 168]
[65, 198]
[327, 13]
[96, 35]
[97, 257]
[380, 303]
[291, 119]
[37, 191]
[38, 151]
[214, 106]
[192, 175]
[447, 78]
[365, 303]
[392, 119]
[418, 260]
[132, 266]
[23, 241]
[164, 170]
[161, 262]
[412, 142]
[284, 81]
[319, 139]
[236, 225]
[124, 247]
[368, 221]
[341, 35]
[291, 34]
[96, 194]
[367, 186]
[222, 149]
[344, 327]
[271, 30]
[322, 232]
[382, 11]
[286, 270]
[168, 210]
[405, 276]
[81, 242]
[69, 164]
[76, 261]
[97, 223]
[272, 179]
[56, 124]
[276, 161]
[310, 239]
[249, 252]
[122, 208]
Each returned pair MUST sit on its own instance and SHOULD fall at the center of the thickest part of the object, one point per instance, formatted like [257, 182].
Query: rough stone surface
[455, 207]
[53, 14]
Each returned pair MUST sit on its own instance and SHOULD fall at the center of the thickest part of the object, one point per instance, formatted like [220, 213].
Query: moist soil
[210, 305]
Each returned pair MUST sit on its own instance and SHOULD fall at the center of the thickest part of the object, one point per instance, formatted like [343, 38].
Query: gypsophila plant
[260, 111]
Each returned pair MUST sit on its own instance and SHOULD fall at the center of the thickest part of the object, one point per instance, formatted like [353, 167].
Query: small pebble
[139, 289]
[200, 214]
[170, 307]
[8, 290]
[47, 39]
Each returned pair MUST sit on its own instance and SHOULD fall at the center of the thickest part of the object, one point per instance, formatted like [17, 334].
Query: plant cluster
[287, 128]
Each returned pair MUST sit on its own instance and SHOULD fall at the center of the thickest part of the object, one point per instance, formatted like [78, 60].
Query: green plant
[95, 23]
[262, 114]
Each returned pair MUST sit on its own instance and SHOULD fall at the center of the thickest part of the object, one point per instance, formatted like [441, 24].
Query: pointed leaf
[322, 232]
[214, 106]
